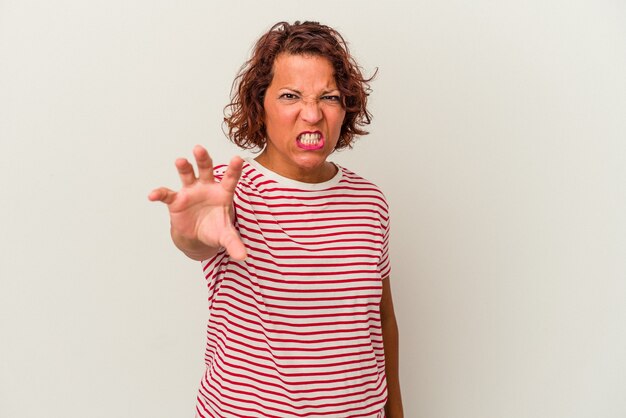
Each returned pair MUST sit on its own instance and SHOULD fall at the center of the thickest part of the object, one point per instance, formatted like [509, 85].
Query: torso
[295, 329]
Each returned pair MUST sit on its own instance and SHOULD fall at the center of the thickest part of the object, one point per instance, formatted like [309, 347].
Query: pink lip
[319, 145]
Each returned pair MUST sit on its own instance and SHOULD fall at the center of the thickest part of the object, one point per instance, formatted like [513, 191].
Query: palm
[201, 211]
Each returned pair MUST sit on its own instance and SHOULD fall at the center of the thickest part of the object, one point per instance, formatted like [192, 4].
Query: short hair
[244, 116]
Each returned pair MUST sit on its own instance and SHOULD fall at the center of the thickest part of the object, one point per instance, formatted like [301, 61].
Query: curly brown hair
[244, 116]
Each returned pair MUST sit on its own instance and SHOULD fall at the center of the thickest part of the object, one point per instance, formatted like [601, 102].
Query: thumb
[234, 246]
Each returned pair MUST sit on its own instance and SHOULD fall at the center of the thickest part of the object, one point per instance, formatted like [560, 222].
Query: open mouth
[310, 140]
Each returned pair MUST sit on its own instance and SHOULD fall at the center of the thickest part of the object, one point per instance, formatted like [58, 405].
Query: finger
[234, 246]
[204, 163]
[162, 194]
[185, 172]
[232, 174]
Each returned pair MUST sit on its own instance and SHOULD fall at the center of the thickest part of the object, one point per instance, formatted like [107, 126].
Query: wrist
[193, 248]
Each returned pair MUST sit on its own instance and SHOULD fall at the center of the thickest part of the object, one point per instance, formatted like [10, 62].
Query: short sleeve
[384, 263]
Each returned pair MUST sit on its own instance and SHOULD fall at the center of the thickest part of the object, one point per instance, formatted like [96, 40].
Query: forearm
[393, 407]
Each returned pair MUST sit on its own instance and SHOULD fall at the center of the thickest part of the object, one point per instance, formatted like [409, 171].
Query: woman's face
[303, 118]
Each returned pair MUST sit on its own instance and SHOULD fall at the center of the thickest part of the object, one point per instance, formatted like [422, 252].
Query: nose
[311, 112]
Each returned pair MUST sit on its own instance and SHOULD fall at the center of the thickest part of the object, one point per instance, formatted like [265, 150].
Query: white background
[498, 137]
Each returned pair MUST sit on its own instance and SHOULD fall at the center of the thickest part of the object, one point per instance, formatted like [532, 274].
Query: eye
[288, 96]
[331, 98]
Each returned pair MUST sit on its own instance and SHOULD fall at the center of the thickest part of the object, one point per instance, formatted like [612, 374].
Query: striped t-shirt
[294, 330]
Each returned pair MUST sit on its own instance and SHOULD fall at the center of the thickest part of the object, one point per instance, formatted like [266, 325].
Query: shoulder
[219, 170]
[251, 182]
[248, 173]
[360, 185]
[354, 178]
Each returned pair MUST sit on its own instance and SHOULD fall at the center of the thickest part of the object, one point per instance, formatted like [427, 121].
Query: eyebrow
[324, 92]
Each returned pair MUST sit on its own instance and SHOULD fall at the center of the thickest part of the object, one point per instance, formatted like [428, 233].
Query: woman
[294, 247]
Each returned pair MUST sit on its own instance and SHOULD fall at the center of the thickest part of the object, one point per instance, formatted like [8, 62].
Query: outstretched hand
[201, 212]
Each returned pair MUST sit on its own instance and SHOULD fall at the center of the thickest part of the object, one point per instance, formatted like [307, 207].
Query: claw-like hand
[201, 212]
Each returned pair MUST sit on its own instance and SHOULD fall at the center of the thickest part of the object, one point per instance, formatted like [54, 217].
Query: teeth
[310, 138]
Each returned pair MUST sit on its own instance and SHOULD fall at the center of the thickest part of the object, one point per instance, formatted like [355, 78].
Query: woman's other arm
[393, 408]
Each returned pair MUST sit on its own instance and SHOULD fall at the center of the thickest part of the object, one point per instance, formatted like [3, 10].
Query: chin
[311, 162]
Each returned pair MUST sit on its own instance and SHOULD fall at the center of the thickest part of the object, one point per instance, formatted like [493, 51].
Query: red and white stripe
[294, 331]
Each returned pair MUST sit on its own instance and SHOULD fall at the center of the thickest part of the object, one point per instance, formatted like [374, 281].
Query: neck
[321, 174]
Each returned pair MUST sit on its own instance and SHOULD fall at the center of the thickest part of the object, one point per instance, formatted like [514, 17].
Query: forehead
[300, 71]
